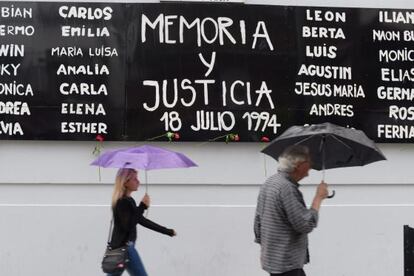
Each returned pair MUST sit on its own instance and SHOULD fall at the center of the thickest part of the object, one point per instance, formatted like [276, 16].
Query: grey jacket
[281, 224]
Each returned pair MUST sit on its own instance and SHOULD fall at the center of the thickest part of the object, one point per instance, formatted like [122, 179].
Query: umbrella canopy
[330, 146]
[144, 158]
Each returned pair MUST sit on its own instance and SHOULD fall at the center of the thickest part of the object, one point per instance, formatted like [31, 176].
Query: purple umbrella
[145, 158]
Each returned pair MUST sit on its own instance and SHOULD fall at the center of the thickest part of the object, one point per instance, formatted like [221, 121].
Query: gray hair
[292, 156]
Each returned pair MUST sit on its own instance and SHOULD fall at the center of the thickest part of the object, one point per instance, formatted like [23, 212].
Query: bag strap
[110, 230]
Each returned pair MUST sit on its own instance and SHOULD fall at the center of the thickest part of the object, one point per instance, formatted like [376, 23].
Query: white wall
[53, 204]
[55, 211]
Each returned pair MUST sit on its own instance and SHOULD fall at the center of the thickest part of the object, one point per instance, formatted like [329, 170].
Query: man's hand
[322, 190]
[321, 194]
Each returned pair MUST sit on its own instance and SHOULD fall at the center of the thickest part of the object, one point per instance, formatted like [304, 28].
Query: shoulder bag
[114, 260]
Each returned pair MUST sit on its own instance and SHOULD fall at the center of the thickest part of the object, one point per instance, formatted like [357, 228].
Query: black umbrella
[330, 146]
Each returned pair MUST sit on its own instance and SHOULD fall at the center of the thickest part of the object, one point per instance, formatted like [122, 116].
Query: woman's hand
[146, 200]
[174, 233]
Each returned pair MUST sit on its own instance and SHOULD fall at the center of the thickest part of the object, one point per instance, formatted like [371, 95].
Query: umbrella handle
[323, 164]
[331, 195]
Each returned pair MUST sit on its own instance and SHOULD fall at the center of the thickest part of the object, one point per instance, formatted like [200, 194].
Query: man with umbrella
[282, 220]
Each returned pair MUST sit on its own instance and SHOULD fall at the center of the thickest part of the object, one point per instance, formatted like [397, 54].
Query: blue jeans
[135, 267]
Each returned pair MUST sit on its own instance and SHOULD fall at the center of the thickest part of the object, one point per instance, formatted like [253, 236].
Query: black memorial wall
[71, 71]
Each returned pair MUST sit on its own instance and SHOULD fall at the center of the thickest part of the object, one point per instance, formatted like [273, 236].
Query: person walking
[127, 215]
[282, 221]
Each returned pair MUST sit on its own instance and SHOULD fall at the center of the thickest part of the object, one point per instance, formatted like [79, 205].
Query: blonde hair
[122, 176]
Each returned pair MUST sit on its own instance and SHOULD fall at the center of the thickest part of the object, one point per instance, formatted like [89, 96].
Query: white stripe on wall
[198, 205]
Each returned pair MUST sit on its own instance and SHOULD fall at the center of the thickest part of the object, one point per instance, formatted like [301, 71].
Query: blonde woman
[127, 215]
